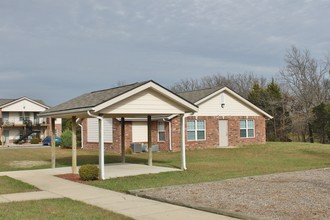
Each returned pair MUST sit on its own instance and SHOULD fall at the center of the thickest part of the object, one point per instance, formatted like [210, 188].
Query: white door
[223, 133]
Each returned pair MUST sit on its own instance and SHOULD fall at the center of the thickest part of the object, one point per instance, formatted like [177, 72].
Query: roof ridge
[117, 87]
[196, 90]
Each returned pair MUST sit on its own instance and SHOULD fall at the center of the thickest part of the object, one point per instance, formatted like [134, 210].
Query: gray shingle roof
[92, 99]
[5, 101]
[196, 95]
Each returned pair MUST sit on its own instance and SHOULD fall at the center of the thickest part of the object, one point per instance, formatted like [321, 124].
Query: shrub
[66, 139]
[128, 151]
[35, 141]
[89, 172]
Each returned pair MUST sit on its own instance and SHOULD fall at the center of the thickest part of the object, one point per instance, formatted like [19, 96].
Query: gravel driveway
[293, 195]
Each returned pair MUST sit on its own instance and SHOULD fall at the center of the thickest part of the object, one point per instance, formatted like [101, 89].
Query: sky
[56, 50]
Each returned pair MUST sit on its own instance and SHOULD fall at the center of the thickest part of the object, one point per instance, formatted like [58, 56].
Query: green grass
[54, 209]
[10, 185]
[219, 164]
[63, 158]
[203, 165]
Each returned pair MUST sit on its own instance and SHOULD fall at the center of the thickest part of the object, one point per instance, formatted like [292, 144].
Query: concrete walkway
[132, 206]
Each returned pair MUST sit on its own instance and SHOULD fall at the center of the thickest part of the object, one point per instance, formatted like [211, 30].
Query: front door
[223, 133]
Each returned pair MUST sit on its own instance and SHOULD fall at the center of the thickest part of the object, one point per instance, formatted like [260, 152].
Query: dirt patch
[28, 163]
[294, 195]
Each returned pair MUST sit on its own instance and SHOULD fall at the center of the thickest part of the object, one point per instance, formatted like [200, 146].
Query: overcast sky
[58, 49]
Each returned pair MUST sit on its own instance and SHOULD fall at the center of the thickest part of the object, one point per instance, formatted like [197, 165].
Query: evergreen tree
[271, 100]
[321, 123]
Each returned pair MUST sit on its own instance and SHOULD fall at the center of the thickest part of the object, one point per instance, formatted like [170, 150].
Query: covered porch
[140, 100]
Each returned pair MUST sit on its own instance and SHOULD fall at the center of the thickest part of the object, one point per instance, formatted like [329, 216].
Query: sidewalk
[132, 206]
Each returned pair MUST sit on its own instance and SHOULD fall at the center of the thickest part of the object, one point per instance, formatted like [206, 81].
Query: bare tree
[306, 79]
[241, 83]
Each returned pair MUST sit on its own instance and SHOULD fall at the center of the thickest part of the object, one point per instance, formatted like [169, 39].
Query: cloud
[67, 48]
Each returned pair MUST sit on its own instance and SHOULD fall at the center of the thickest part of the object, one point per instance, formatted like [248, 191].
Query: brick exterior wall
[212, 133]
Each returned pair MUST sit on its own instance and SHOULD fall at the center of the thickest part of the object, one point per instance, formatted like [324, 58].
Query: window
[196, 130]
[247, 128]
[24, 116]
[161, 131]
[93, 130]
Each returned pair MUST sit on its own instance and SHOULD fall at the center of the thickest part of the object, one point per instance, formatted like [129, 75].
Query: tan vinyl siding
[24, 105]
[232, 107]
[146, 101]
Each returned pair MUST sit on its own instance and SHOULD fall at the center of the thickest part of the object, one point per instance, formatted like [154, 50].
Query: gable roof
[200, 96]
[7, 102]
[98, 100]
[92, 99]
[196, 95]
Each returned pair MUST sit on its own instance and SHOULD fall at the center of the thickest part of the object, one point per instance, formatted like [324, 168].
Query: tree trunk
[310, 129]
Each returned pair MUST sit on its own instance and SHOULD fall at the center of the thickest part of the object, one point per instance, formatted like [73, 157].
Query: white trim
[65, 112]
[183, 143]
[101, 144]
[231, 92]
[24, 98]
[196, 130]
[247, 128]
[158, 131]
[154, 86]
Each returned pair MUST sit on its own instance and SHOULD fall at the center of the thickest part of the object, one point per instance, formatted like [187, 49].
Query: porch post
[149, 142]
[74, 145]
[183, 143]
[123, 140]
[101, 148]
[52, 130]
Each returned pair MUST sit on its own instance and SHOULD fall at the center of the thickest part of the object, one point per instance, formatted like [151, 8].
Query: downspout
[169, 131]
[78, 121]
[101, 144]
[183, 142]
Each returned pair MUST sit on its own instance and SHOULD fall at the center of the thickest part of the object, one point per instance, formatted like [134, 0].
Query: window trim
[247, 128]
[196, 130]
[159, 131]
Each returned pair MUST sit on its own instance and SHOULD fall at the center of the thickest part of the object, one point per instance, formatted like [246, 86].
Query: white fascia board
[24, 98]
[236, 96]
[143, 87]
[65, 112]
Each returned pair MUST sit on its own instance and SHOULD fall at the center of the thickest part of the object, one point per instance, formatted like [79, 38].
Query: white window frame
[247, 128]
[196, 130]
[161, 129]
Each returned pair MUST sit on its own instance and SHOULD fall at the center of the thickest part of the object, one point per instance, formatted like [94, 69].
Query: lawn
[203, 165]
[48, 208]
[60, 209]
[219, 164]
[10, 185]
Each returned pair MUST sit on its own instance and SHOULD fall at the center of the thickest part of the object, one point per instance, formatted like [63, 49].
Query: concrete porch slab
[127, 169]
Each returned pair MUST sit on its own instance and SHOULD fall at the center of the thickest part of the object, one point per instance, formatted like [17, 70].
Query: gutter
[46, 114]
[101, 144]
[169, 131]
[78, 121]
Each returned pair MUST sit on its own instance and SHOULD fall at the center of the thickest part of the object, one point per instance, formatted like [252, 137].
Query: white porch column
[53, 138]
[183, 143]
[149, 142]
[101, 148]
[123, 140]
[74, 145]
